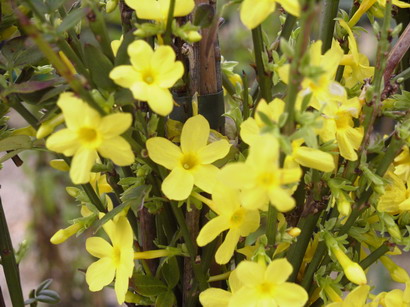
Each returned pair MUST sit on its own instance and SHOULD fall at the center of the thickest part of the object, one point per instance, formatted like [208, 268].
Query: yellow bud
[294, 232]
[63, 234]
[60, 164]
[111, 5]
[397, 273]
[352, 270]
[159, 253]
[332, 294]
[394, 231]
[193, 36]
[72, 191]
[25, 131]
[48, 126]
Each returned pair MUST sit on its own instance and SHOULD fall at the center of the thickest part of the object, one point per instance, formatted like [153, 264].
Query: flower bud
[111, 5]
[352, 270]
[48, 126]
[60, 164]
[397, 273]
[294, 232]
[63, 234]
[72, 191]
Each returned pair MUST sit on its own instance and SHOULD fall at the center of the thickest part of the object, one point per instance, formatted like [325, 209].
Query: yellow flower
[266, 286]
[356, 64]
[397, 297]
[63, 234]
[215, 297]
[396, 198]
[151, 75]
[190, 164]
[158, 9]
[260, 178]
[338, 125]
[402, 164]
[87, 135]
[309, 157]
[252, 127]
[254, 12]
[116, 259]
[325, 92]
[356, 298]
[231, 215]
[115, 44]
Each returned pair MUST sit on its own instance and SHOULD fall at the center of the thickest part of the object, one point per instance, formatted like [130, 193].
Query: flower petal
[63, 141]
[237, 175]
[167, 78]
[160, 100]
[100, 273]
[140, 52]
[147, 9]
[249, 297]
[122, 276]
[250, 273]
[115, 124]
[249, 130]
[194, 134]
[227, 248]
[281, 199]
[183, 7]
[291, 6]
[255, 198]
[214, 297]
[122, 235]
[290, 295]
[250, 223]
[205, 177]
[124, 75]
[98, 247]
[226, 199]
[253, 13]
[314, 158]
[82, 164]
[211, 230]
[178, 184]
[167, 71]
[118, 150]
[278, 271]
[214, 151]
[163, 152]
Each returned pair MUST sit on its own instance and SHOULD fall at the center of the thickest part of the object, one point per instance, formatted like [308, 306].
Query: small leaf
[28, 87]
[30, 301]
[72, 19]
[148, 285]
[166, 299]
[100, 67]
[15, 142]
[170, 272]
[48, 296]
[135, 195]
[44, 285]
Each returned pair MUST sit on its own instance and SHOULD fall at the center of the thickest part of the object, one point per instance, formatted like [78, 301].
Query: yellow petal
[118, 150]
[278, 271]
[115, 124]
[255, 198]
[70, 104]
[290, 175]
[264, 153]
[168, 78]
[250, 273]
[195, 134]
[358, 296]
[167, 71]
[122, 277]
[225, 198]
[314, 158]
[81, 165]
[348, 140]
[63, 141]
[163, 152]
[141, 90]
[147, 9]
[183, 7]
[122, 235]
[98, 247]
[291, 6]
[140, 53]
[214, 297]
[290, 295]
[250, 223]
[205, 177]
[253, 13]
[214, 151]
[211, 230]
[249, 130]
[281, 200]
[100, 273]
[178, 184]
[124, 75]
[236, 175]
[227, 248]
[160, 100]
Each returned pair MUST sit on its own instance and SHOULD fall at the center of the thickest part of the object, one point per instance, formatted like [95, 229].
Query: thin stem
[223, 276]
[170, 18]
[95, 200]
[329, 13]
[404, 75]
[9, 263]
[265, 82]
[288, 27]
[271, 226]
[25, 113]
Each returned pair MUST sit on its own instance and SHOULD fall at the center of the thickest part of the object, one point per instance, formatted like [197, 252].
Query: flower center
[116, 255]
[189, 161]
[267, 179]
[266, 288]
[342, 120]
[148, 78]
[237, 217]
[87, 135]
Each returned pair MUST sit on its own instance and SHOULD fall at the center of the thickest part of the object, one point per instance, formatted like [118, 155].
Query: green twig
[9, 263]
[327, 26]
[170, 18]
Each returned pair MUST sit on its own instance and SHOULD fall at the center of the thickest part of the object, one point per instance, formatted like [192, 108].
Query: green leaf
[149, 285]
[123, 97]
[72, 19]
[44, 285]
[166, 299]
[48, 296]
[100, 67]
[15, 142]
[109, 215]
[10, 155]
[135, 195]
[170, 272]
[28, 87]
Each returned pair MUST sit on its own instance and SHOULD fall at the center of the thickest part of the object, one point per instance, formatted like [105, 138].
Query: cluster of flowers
[242, 188]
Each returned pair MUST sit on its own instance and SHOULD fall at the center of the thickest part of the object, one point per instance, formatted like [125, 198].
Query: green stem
[327, 26]
[271, 227]
[25, 113]
[9, 264]
[245, 98]
[191, 246]
[404, 75]
[95, 200]
[288, 27]
[264, 80]
[170, 18]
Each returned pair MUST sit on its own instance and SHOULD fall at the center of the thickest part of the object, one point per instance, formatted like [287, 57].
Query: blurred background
[37, 205]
